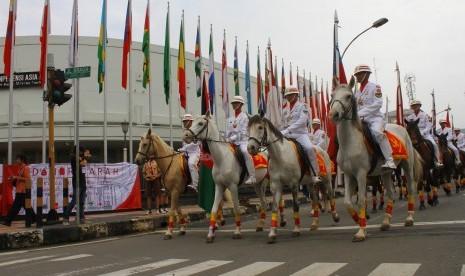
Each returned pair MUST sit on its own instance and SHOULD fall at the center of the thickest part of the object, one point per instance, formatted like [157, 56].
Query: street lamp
[125, 127]
[378, 23]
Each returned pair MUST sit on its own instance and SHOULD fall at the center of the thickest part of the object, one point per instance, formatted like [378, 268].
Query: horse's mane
[259, 119]
[412, 128]
[161, 142]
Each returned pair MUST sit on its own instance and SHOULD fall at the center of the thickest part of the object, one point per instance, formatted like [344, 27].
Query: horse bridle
[346, 110]
[262, 143]
[205, 127]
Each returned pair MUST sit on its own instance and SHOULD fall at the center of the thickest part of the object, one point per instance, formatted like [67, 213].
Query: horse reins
[346, 110]
[262, 143]
[205, 127]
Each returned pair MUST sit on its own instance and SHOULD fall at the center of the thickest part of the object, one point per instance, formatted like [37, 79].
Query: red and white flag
[45, 30]
[9, 38]
[224, 80]
[399, 101]
[274, 106]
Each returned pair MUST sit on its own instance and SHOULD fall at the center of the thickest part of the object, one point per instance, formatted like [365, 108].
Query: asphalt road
[435, 245]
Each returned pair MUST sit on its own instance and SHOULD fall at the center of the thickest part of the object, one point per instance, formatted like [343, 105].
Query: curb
[57, 234]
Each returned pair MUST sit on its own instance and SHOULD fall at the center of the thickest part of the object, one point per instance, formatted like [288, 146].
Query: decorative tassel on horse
[213, 220]
[411, 200]
[389, 207]
[296, 219]
[274, 220]
[363, 220]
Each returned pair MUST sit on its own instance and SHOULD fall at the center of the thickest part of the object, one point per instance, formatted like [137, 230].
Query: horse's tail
[417, 166]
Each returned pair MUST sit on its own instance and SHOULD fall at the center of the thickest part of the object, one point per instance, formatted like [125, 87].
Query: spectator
[83, 156]
[163, 201]
[151, 174]
[19, 182]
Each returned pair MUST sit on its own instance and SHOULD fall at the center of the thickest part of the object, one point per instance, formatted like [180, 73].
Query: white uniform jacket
[461, 141]
[369, 102]
[445, 130]
[319, 138]
[192, 149]
[237, 129]
[424, 124]
[295, 120]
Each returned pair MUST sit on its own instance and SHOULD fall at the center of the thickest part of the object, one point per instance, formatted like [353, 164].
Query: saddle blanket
[398, 147]
[321, 163]
[259, 160]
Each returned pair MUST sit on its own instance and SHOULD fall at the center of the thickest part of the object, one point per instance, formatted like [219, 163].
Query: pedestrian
[191, 150]
[151, 173]
[84, 154]
[163, 201]
[19, 181]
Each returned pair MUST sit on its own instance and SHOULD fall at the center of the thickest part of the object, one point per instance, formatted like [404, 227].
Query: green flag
[207, 184]
[166, 63]
[146, 49]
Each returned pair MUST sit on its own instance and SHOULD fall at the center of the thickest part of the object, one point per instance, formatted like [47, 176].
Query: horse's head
[146, 148]
[259, 129]
[442, 140]
[343, 104]
[198, 129]
[413, 131]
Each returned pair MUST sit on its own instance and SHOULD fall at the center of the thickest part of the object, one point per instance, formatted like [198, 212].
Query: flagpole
[130, 89]
[105, 101]
[171, 86]
[150, 67]
[44, 106]
[10, 99]
[213, 62]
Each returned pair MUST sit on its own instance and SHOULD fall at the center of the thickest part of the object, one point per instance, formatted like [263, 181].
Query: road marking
[24, 260]
[13, 253]
[197, 268]
[253, 269]
[144, 268]
[71, 257]
[463, 271]
[397, 269]
[319, 269]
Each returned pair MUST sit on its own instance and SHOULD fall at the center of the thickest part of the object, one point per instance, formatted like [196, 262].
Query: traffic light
[58, 87]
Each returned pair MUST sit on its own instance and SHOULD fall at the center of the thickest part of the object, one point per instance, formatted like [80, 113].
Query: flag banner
[283, 80]
[74, 36]
[146, 49]
[312, 99]
[433, 111]
[9, 39]
[198, 62]
[447, 118]
[274, 107]
[290, 73]
[247, 81]
[323, 105]
[236, 71]
[206, 182]
[260, 95]
[399, 101]
[181, 67]
[126, 46]
[44, 32]
[205, 106]
[166, 60]
[224, 80]
[102, 48]
[109, 186]
[211, 72]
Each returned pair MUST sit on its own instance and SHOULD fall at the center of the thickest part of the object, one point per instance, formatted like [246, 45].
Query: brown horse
[450, 170]
[170, 164]
[426, 150]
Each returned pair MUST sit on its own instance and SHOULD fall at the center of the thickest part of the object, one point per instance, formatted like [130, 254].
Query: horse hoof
[408, 223]
[282, 224]
[358, 239]
[430, 202]
[314, 227]
[336, 218]
[323, 210]
[182, 233]
[223, 222]
[168, 237]
[259, 229]
[295, 234]
[367, 216]
[385, 227]
[236, 236]
[374, 211]
[272, 239]
[422, 206]
[210, 239]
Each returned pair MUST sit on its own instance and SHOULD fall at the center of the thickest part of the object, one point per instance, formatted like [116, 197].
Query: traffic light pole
[52, 215]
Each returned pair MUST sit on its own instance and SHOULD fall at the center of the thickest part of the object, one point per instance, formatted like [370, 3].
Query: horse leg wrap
[411, 200]
[354, 215]
[373, 200]
[333, 205]
[435, 192]
[381, 199]
[389, 207]
[274, 220]
[212, 220]
[171, 222]
[219, 215]
[281, 207]
[296, 218]
[238, 221]
[421, 196]
[263, 214]
[404, 190]
[315, 210]
[429, 196]
[182, 220]
[448, 186]
[363, 220]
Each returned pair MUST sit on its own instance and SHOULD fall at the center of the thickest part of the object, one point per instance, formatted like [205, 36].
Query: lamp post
[125, 128]
[378, 23]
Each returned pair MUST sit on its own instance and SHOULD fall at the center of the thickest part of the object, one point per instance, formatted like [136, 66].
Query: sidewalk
[109, 224]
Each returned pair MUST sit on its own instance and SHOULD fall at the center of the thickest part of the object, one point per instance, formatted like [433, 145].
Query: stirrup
[250, 180]
[389, 165]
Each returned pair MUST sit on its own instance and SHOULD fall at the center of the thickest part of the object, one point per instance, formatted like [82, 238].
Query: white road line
[71, 257]
[144, 268]
[197, 268]
[13, 253]
[24, 260]
[253, 269]
[398, 269]
[463, 271]
[319, 269]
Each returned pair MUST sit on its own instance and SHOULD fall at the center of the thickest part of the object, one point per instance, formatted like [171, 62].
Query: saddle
[304, 161]
[372, 146]
[241, 159]
[186, 173]
[430, 147]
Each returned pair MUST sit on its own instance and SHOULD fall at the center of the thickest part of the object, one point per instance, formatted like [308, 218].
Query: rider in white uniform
[425, 127]
[295, 118]
[460, 139]
[450, 137]
[236, 133]
[319, 136]
[192, 150]
[369, 102]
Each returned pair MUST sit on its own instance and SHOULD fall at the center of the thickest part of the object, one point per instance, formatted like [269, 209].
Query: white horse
[226, 172]
[354, 159]
[284, 168]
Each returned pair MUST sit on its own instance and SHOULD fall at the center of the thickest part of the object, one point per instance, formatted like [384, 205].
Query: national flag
[146, 48]
[297, 80]
[10, 38]
[276, 71]
[447, 117]
[290, 73]
[205, 106]
[198, 62]
[166, 60]
[283, 79]
[327, 122]
[44, 32]
[399, 101]
[127, 45]
[267, 82]
[338, 67]
[236, 71]
[102, 48]
[74, 36]
[224, 80]
[211, 72]
[274, 107]
[181, 67]
[312, 99]
[452, 123]
[433, 111]
[247, 80]
[206, 182]
[260, 95]
[323, 107]
[304, 91]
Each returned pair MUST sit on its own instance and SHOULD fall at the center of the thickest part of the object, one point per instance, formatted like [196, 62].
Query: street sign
[77, 72]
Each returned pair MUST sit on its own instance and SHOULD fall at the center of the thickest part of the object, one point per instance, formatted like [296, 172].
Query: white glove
[233, 138]
[284, 133]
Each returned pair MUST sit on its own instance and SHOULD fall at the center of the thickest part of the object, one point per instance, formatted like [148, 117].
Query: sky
[425, 37]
